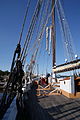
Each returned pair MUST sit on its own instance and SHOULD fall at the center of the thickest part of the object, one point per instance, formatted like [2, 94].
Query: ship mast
[53, 35]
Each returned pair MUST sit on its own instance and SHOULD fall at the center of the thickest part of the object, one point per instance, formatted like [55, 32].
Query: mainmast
[53, 35]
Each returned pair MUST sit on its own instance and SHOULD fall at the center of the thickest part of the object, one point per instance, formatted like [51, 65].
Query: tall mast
[53, 36]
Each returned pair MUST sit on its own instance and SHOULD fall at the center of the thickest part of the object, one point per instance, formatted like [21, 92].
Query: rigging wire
[18, 48]
[66, 31]
[32, 49]
[62, 30]
[24, 21]
[46, 21]
[43, 29]
[31, 28]
[42, 24]
[39, 37]
[38, 27]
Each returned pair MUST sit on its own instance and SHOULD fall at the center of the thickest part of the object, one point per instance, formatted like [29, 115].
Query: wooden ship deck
[55, 107]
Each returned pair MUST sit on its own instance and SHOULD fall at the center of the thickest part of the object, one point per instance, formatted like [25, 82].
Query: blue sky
[11, 19]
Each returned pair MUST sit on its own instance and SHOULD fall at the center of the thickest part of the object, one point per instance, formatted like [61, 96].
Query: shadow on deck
[50, 108]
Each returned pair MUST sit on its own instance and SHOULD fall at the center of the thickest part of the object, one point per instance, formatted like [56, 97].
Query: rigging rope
[32, 49]
[40, 36]
[31, 28]
[43, 26]
[41, 22]
[66, 31]
[38, 40]
[46, 21]
[24, 21]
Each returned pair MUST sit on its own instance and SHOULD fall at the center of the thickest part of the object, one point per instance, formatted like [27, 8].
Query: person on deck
[43, 82]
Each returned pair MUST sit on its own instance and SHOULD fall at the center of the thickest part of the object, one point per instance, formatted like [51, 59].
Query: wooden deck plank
[62, 107]
[56, 107]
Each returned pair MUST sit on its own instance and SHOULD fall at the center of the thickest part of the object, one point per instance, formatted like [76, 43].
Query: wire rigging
[39, 38]
[37, 42]
[65, 31]
[43, 20]
[32, 49]
[24, 21]
[31, 28]
[44, 23]
[41, 33]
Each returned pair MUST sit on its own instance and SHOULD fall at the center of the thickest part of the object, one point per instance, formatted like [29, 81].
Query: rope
[42, 25]
[24, 21]
[41, 33]
[32, 49]
[62, 29]
[66, 32]
[46, 21]
[31, 28]
[41, 22]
